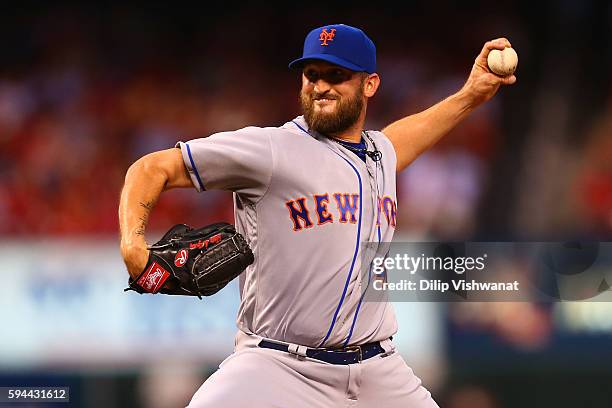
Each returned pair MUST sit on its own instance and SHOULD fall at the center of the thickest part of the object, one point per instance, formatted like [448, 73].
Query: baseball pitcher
[306, 195]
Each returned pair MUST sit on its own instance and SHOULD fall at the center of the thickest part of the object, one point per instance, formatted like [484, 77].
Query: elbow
[136, 170]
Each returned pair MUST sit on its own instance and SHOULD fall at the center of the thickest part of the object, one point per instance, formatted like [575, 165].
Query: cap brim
[328, 58]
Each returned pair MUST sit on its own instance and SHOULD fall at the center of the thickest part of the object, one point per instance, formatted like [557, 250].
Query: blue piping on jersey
[348, 278]
[358, 307]
[360, 300]
[346, 342]
[195, 170]
[297, 124]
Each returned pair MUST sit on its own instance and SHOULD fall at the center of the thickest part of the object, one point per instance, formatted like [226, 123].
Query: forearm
[142, 188]
[416, 133]
[144, 182]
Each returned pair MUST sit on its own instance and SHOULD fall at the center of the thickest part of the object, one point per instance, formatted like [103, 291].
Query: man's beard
[346, 114]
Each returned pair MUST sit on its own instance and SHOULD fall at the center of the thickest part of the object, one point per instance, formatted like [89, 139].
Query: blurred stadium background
[85, 91]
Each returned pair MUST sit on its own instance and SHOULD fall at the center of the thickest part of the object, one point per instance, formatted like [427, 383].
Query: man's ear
[371, 84]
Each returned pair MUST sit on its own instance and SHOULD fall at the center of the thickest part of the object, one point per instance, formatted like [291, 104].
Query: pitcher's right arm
[144, 182]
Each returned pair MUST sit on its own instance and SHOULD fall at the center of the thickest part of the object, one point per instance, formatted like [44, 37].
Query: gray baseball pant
[254, 377]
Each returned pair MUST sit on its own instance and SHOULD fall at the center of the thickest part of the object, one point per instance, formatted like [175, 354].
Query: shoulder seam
[272, 170]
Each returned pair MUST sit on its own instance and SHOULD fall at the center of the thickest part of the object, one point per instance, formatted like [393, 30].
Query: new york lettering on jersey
[346, 210]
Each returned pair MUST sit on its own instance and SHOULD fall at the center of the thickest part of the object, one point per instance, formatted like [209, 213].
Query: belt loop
[388, 346]
[297, 349]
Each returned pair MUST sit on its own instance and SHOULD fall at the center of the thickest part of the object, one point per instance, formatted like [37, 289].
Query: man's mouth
[324, 98]
[324, 101]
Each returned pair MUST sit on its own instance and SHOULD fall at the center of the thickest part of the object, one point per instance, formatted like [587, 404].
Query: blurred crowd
[68, 140]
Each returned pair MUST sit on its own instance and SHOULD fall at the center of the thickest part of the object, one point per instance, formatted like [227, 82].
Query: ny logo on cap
[327, 36]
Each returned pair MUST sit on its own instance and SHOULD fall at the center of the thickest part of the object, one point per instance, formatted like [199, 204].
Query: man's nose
[322, 86]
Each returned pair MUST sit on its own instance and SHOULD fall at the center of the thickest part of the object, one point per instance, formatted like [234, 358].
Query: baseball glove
[194, 262]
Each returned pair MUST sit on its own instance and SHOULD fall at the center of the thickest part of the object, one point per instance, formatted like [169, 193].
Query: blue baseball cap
[339, 44]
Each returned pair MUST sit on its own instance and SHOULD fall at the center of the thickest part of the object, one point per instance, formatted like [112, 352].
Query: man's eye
[311, 75]
[337, 75]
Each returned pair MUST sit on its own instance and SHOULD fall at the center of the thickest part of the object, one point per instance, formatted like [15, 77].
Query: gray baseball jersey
[304, 203]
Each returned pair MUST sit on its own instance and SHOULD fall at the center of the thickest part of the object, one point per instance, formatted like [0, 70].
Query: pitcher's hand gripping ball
[503, 62]
[194, 262]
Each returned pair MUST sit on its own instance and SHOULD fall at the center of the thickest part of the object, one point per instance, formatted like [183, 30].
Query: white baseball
[503, 62]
